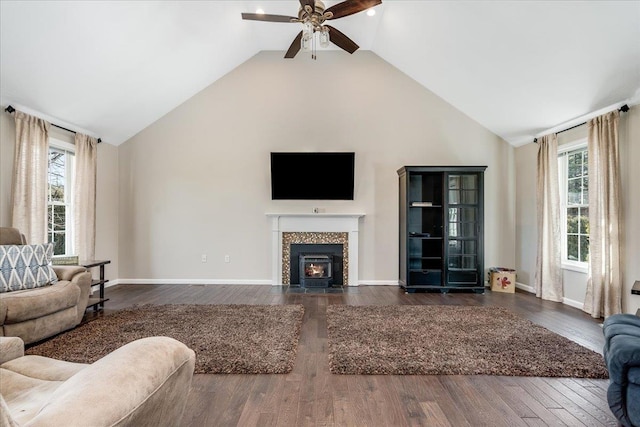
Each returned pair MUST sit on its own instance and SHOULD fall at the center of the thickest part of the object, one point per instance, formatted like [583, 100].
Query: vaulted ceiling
[111, 68]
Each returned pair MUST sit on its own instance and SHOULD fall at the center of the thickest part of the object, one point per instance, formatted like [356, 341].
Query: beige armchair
[36, 314]
[143, 383]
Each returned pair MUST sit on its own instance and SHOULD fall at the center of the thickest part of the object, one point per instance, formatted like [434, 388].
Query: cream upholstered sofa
[36, 314]
[143, 383]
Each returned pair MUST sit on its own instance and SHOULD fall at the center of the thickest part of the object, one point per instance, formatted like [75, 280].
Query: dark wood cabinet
[441, 228]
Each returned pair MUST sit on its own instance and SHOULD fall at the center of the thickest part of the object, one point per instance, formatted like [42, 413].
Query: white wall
[197, 181]
[526, 222]
[106, 190]
[107, 210]
[575, 283]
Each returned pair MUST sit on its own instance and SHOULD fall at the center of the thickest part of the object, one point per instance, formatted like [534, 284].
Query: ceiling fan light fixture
[307, 37]
[371, 12]
[324, 37]
[260, 11]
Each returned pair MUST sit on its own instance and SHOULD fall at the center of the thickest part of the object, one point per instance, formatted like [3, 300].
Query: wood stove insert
[316, 270]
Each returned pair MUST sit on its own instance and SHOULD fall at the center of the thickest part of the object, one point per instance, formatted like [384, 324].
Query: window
[574, 199]
[60, 197]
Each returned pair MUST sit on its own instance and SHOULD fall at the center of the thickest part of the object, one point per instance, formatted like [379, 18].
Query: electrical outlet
[204, 258]
[227, 258]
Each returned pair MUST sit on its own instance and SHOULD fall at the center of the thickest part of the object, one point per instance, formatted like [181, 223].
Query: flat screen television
[312, 176]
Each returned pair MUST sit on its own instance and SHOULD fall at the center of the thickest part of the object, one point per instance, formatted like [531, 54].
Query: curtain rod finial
[9, 109]
[624, 108]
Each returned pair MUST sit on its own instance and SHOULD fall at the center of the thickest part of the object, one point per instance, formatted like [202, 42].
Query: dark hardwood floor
[311, 395]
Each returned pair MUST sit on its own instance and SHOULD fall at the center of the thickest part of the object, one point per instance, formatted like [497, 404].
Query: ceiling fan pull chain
[313, 45]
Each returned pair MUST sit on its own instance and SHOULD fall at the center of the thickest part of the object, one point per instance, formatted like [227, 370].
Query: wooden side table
[97, 303]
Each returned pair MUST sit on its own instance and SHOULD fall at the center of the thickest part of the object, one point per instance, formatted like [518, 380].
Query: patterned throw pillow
[26, 267]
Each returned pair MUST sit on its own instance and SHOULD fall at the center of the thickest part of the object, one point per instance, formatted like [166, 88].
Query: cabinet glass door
[462, 228]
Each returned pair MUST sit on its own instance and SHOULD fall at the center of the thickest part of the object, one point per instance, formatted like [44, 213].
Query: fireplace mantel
[314, 222]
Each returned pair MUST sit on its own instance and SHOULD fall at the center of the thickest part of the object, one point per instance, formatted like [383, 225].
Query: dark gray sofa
[622, 355]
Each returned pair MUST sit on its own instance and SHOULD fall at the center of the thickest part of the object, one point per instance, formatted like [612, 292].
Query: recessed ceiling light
[371, 12]
[260, 11]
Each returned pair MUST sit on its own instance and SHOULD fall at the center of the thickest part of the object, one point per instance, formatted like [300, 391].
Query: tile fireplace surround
[313, 228]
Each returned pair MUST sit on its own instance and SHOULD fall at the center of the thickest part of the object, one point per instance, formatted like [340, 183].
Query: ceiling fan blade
[311, 3]
[268, 18]
[295, 46]
[340, 40]
[349, 7]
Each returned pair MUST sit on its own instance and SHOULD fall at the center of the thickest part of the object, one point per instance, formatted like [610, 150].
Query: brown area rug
[451, 340]
[227, 339]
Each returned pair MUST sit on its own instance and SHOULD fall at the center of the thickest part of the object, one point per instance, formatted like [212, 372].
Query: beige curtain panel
[548, 277]
[604, 285]
[29, 192]
[84, 196]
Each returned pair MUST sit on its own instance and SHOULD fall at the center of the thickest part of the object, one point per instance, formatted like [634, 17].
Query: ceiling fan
[312, 15]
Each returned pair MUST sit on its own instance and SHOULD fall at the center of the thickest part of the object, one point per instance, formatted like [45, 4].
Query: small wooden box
[502, 280]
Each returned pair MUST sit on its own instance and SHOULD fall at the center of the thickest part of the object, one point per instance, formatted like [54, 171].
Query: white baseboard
[111, 283]
[378, 283]
[573, 303]
[526, 288]
[565, 300]
[192, 282]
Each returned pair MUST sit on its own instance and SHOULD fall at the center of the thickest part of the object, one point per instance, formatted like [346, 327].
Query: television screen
[312, 176]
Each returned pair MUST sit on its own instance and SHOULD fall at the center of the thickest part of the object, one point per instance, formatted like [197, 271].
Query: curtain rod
[10, 110]
[624, 109]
